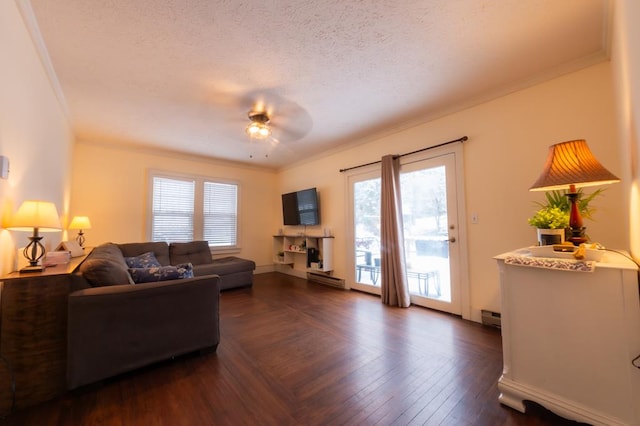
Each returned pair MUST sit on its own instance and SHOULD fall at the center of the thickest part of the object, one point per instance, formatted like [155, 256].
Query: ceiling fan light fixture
[259, 126]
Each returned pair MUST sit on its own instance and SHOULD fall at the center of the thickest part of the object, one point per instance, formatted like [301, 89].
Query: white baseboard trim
[285, 269]
[513, 394]
[263, 269]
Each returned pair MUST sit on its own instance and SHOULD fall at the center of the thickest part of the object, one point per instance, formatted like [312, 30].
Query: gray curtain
[395, 291]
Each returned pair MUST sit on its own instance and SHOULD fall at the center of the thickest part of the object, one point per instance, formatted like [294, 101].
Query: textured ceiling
[183, 74]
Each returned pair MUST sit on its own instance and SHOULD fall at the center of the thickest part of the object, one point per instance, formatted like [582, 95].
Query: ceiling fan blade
[291, 127]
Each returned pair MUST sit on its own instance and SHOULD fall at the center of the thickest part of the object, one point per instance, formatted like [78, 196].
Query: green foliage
[550, 218]
[554, 214]
[560, 200]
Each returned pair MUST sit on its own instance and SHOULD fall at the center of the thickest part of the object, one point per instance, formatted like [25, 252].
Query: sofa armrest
[122, 327]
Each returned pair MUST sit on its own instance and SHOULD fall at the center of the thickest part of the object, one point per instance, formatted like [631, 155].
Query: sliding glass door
[430, 219]
[366, 220]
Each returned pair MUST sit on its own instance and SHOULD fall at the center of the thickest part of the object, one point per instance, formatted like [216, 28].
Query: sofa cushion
[224, 266]
[162, 273]
[195, 252]
[160, 250]
[145, 260]
[105, 266]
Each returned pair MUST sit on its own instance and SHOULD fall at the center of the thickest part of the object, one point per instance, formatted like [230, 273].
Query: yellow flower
[550, 218]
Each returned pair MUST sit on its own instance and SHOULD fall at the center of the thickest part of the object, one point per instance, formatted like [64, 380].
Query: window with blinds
[172, 210]
[220, 213]
[186, 209]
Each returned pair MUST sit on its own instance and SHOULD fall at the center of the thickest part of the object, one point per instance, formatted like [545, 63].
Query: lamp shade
[80, 222]
[572, 163]
[36, 214]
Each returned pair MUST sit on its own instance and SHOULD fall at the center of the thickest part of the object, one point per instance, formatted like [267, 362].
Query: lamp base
[80, 239]
[578, 236]
[29, 269]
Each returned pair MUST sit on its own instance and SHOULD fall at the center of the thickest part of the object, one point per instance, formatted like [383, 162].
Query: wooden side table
[33, 335]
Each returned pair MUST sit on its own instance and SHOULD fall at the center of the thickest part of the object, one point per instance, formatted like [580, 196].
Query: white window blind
[192, 208]
[220, 208]
[172, 210]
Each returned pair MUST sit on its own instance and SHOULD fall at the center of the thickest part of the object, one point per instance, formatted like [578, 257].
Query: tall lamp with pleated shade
[80, 223]
[572, 164]
[36, 216]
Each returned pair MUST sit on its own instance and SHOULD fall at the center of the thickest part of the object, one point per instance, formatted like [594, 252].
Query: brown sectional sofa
[95, 271]
[115, 326]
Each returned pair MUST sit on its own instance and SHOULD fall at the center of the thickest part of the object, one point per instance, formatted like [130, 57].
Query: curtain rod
[462, 139]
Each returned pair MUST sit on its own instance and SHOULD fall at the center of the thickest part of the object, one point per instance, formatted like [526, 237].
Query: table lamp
[80, 223]
[572, 164]
[36, 216]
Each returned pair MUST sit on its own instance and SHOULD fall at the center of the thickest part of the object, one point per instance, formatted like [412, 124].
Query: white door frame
[461, 243]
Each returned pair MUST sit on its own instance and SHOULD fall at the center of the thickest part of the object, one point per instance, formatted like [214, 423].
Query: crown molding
[31, 24]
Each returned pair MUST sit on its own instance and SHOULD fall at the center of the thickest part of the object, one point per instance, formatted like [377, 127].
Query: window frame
[198, 214]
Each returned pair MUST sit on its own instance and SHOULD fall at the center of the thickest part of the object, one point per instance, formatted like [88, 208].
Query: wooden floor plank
[294, 352]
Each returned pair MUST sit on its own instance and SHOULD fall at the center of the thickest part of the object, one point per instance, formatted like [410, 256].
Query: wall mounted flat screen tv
[301, 207]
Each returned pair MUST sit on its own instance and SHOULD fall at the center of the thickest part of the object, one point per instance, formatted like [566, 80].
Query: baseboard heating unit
[492, 319]
[325, 279]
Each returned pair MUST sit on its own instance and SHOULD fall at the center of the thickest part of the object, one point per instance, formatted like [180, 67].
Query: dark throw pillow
[103, 272]
[161, 273]
[105, 266]
[145, 260]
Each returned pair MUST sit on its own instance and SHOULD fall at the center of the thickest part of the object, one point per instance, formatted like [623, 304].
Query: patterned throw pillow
[161, 273]
[186, 269]
[146, 260]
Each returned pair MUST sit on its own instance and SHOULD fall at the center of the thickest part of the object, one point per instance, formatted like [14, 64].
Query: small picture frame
[72, 247]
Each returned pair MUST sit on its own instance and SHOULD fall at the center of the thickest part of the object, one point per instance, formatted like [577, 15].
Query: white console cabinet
[569, 339]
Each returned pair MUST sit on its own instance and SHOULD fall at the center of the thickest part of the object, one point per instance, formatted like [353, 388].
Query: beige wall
[508, 142]
[507, 146]
[110, 186]
[34, 134]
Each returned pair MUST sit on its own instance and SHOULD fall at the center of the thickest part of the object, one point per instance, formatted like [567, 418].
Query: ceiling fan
[260, 131]
[271, 122]
[259, 127]
[290, 124]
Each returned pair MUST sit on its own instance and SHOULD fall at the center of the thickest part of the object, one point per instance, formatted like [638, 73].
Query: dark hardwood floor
[294, 352]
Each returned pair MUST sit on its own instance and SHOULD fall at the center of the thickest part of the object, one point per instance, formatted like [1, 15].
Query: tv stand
[304, 252]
